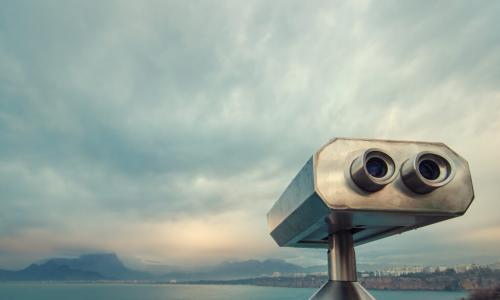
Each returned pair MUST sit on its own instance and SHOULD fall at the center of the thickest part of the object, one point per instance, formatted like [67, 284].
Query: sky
[164, 131]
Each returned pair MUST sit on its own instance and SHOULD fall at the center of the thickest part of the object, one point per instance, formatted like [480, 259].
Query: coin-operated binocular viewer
[355, 191]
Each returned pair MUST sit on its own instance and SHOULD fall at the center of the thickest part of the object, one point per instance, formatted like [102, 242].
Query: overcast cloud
[164, 131]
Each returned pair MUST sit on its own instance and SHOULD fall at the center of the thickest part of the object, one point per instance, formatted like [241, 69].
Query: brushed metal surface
[341, 257]
[323, 198]
[337, 189]
[342, 290]
[325, 207]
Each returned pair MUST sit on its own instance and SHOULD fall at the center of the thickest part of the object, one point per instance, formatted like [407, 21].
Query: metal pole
[341, 257]
[342, 279]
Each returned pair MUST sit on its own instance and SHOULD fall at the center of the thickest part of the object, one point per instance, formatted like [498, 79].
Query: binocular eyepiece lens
[429, 169]
[426, 172]
[376, 167]
[372, 170]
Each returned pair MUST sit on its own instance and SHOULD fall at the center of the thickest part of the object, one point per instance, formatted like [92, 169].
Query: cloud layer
[163, 130]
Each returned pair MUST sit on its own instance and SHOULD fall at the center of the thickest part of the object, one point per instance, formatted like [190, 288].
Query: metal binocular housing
[354, 191]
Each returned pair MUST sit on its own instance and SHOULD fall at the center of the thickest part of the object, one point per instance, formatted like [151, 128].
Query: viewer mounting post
[354, 191]
[342, 278]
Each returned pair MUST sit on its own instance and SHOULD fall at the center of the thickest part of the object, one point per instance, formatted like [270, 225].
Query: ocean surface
[84, 291]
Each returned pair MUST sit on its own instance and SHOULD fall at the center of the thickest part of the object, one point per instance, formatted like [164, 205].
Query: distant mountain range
[237, 270]
[48, 271]
[107, 265]
[86, 267]
[93, 267]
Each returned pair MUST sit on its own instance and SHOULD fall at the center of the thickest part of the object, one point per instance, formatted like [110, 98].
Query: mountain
[49, 271]
[106, 264]
[316, 269]
[87, 268]
[236, 270]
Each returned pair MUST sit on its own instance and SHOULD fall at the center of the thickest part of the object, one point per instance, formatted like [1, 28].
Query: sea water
[86, 291]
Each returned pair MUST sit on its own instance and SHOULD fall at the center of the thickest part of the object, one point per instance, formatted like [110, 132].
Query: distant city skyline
[164, 131]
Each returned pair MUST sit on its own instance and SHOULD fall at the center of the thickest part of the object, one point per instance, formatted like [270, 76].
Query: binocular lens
[376, 167]
[372, 170]
[426, 172]
[429, 169]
